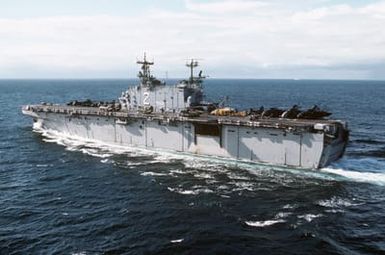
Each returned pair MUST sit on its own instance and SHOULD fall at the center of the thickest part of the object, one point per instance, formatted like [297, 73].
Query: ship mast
[192, 64]
[194, 80]
[145, 75]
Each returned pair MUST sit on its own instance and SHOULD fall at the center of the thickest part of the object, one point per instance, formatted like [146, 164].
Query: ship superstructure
[152, 95]
[154, 115]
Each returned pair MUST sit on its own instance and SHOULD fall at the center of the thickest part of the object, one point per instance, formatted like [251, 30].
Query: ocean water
[59, 195]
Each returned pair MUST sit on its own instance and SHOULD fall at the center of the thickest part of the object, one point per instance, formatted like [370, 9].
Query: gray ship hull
[300, 144]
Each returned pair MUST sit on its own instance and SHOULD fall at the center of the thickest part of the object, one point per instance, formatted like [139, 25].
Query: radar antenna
[192, 64]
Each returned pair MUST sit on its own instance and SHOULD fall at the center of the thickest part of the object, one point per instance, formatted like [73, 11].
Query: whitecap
[153, 174]
[223, 187]
[288, 206]
[203, 176]
[236, 176]
[309, 217]
[261, 224]
[336, 202]
[190, 192]
[187, 192]
[365, 164]
[177, 171]
[95, 153]
[43, 165]
[335, 211]
[177, 240]
[281, 215]
[243, 186]
[366, 177]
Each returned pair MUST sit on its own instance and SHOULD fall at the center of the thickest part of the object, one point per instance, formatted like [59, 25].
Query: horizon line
[179, 78]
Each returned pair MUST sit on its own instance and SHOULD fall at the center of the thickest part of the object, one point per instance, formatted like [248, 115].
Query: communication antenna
[145, 74]
[192, 63]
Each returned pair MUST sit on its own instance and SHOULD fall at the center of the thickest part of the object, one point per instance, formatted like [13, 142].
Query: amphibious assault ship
[154, 115]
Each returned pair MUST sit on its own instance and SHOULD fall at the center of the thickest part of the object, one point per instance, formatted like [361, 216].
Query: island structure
[154, 115]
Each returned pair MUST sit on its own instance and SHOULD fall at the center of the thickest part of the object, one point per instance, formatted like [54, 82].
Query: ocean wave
[44, 165]
[104, 160]
[278, 218]
[241, 185]
[368, 141]
[237, 176]
[309, 217]
[375, 153]
[153, 174]
[356, 176]
[177, 240]
[336, 202]
[203, 176]
[178, 171]
[190, 192]
[289, 206]
[261, 224]
[362, 164]
[281, 215]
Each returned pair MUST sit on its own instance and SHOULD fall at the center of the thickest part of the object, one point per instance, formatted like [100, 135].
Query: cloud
[236, 39]
[227, 6]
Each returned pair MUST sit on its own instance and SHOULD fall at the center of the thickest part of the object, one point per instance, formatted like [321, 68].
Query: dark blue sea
[63, 196]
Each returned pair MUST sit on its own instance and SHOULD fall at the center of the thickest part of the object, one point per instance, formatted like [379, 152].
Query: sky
[263, 39]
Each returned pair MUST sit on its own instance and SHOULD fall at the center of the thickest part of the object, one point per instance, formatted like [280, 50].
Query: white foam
[249, 186]
[95, 153]
[43, 165]
[364, 164]
[281, 215]
[177, 171]
[235, 176]
[288, 206]
[190, 192]
[309, 217]
[94, 147]
[153, 174]
[37, 126]
[223, 187]
[336, 202]
[335, 211]
[261, 224]
[177, 240]
[366, 177]
[203, 176]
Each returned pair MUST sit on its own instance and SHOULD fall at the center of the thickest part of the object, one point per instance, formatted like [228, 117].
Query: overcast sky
[294, 39]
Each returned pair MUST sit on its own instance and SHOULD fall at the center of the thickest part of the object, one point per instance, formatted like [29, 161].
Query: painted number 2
[146, 97]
